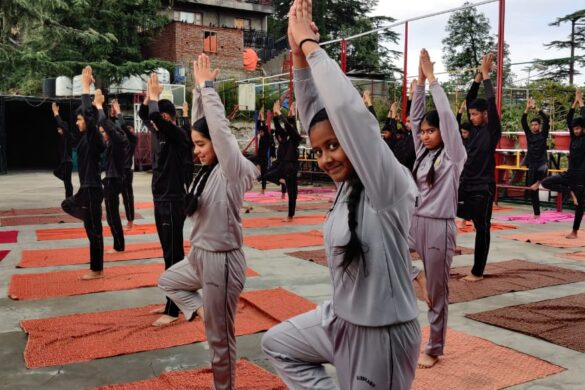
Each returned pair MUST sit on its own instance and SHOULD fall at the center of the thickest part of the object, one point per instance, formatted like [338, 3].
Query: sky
[526, 29]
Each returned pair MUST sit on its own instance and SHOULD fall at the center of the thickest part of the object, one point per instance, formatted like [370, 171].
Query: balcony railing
[266, 46]
[260, 2]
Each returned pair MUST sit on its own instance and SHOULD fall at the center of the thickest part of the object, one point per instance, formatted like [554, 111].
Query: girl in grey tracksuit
[369, 330]
[433, 231]
[216, 263]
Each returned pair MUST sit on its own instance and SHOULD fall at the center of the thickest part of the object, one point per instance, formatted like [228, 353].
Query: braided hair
[432, 118]
[353, 251]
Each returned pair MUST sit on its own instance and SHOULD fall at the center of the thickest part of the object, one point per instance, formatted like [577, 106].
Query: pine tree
[564, 68]
[468, 39]
[56, 37]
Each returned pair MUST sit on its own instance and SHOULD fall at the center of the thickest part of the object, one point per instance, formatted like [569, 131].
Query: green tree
[564, 68]
[468, 39]
[342, 18]
[56, 37]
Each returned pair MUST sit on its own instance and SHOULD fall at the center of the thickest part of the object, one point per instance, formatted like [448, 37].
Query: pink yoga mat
[546, 217]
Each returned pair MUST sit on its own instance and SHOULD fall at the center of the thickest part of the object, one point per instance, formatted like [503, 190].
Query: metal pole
[344, 55]
[405, 74]
[500, 75]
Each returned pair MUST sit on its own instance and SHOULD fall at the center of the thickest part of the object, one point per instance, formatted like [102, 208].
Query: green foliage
[342, 18]
[47, 38]
[564, 68]
[468, 39]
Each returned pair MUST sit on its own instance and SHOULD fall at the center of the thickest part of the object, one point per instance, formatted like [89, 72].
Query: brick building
[222, 29]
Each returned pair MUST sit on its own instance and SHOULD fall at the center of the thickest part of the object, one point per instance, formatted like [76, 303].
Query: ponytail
[431, 172]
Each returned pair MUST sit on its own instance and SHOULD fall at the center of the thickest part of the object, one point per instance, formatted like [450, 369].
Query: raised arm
[494, 125]
[417, 109]
[171, 131]
[58, 121]
[524, 120]
[385, 180]
[473, 91]
[545, 122]
[450, 134]
[233, 163]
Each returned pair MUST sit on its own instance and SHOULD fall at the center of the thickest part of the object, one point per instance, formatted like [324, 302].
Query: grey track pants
[221, 277]
[365, 357]
[434, 240]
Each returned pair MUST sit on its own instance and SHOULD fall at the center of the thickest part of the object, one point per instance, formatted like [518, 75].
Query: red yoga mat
[68, 256]
[281, 241]
[82, 337]
[38, 211]
[313, 219]
[248, 376]
[79, 232]
[67, 283]
[3, 254]
[8, 236]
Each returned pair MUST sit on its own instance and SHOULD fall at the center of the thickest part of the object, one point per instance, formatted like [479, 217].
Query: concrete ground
[41, 189]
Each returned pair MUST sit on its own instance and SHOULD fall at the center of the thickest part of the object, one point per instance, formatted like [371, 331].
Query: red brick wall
[182, 42]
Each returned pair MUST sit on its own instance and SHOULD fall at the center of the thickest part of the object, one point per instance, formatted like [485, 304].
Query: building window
[210, 42]
[188, 17]
[244, 24]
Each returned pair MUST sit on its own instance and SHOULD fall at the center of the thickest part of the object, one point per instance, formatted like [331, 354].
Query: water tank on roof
[63, 86]
[164, 76]
[132, 84]
[77, 86]
[49, 87]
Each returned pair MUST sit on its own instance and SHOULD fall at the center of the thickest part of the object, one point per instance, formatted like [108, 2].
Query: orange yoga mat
[248, 376]
[556, 239]
[143, 205]
[79, 232]
[67, 283]
[47, 219]
[82, 337]
[475, 363]
[495, 226]
[313, 219]
[67, 256]
[287, 240]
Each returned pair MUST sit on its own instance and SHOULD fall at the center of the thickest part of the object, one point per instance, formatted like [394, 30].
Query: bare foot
[427, 361]
[421, 280]
[92, 275]
[262, 192]
[129, 225]
[164, 320]
[282, 196]
[158, 310]
[287, 219]
[574, 199]
[282, 181]
[110, 252]
[472, 278]
[572, 235]
[461, 223]
[536, 216]
[201, 313]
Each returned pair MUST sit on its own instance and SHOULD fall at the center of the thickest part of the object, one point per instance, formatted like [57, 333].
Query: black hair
[90, 115]
[478, 104]
[320, 116]
[536, 120]
[431, 172]
[168, 107]
[354, 249]
[578, 122]
[466, 126]
[432, 118]
[196, 189]
[200, 126]
[108, 125]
